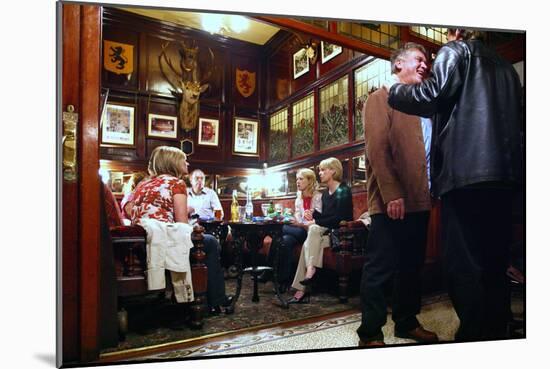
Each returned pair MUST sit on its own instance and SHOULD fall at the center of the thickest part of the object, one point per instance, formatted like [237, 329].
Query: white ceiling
[258, 33]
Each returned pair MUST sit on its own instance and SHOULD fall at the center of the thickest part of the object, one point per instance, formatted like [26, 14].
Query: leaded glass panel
[384, 35]
[437, 35]
[333, 115]
[367, 80]
[278, 135]
[303, 121]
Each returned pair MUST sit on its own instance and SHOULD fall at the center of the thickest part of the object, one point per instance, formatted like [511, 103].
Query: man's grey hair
[194, 172]
[399, 53]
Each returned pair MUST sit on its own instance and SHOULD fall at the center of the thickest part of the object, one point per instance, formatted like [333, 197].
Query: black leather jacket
[474, 99]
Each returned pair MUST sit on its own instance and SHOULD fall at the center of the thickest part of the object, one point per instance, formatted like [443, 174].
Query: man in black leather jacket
[474, 98]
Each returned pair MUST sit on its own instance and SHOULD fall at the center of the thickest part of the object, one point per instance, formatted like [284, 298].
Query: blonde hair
[312, 180]
[335, 165]
[166, 160]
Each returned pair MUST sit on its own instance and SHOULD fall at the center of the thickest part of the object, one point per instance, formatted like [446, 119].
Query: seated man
[202, 203]
[201, 200]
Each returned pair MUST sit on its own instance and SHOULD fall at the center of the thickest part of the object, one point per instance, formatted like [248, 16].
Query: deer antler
[169, 62]
[208, 74]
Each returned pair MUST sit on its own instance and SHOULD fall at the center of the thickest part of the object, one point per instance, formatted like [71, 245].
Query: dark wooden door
[79, 211]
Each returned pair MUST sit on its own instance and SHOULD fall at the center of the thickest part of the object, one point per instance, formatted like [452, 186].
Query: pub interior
[270, 95]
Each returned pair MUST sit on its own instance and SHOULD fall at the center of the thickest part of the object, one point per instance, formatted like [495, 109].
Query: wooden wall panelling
[279, 79]
[246, 63]
[316, 118]
[353, 105]
[218, 101]
[208, 153]
[152, 105]
[304, 80]
[120, 152]
[342, 58]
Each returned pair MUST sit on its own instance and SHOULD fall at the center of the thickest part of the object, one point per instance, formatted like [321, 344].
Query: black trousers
[292, 236]
[215, 287]
[477, 233]
[395, 252]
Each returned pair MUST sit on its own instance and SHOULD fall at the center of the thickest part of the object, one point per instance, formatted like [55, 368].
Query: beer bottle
[234, 208]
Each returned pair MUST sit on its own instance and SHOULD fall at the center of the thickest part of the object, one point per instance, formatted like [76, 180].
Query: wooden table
[253, 234]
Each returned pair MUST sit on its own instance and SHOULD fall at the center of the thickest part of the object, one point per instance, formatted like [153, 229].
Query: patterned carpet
[158, 323]
[335, 332]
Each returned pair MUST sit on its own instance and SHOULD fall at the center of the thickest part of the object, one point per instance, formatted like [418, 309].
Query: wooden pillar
[69, 15]
[90, 68]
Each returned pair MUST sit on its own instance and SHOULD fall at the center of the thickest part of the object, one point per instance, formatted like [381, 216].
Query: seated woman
[337, 206]
[307, 200]
[163, 197]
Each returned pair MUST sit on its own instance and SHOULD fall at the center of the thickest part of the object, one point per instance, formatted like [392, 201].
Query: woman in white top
[307, 201]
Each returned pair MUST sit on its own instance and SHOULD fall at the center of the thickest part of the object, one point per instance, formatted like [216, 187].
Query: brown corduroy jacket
[395, 157]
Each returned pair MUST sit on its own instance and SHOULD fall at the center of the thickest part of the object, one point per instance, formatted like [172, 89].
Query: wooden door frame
[80, 82]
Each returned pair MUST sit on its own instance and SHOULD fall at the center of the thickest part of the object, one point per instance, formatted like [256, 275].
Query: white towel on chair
[168, 247]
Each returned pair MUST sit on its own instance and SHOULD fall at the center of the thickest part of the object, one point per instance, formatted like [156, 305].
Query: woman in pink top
[307, 200]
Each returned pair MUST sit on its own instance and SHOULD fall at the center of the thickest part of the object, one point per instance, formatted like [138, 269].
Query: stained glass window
[315, 22]
[367, 80]
[278, 135]
[385, 35]
[434, 34]
[333, 126]
[303, 121]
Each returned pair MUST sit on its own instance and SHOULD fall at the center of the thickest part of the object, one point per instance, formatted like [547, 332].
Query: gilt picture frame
[246, 133]
[162, 126]
[118, 125]
[329, 51]
[300, 63]
[208, 132]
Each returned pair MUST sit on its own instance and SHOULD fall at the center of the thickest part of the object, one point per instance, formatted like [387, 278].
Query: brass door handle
[69, 144]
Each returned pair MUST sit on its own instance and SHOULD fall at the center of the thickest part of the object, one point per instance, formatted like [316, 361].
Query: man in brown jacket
[397, 149]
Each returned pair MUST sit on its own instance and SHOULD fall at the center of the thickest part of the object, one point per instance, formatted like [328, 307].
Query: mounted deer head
[188, 82]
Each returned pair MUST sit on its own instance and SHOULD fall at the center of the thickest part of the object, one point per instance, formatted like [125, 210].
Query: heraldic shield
[118, 57]
[246, 82]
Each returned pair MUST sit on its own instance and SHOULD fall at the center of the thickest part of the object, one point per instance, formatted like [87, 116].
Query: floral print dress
[154, 198]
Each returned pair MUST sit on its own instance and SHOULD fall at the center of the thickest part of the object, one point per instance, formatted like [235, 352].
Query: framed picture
[300, 62]
[163, 126]
[245, 137]
[116, 182]
[209, 132]
[117, 125]
[329, 51]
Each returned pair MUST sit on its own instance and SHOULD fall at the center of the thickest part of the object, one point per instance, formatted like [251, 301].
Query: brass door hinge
[70, 122]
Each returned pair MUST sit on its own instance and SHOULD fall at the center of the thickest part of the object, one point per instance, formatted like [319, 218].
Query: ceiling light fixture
[223, 24]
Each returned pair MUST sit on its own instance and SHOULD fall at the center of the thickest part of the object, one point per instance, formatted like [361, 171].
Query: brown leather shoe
[418, 334]
[374, 343]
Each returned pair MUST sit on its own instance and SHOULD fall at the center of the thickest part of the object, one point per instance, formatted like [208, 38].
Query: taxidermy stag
[188, 82]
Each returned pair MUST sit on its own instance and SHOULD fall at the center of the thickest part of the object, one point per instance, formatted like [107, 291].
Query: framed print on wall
[329, 51]
[208, 132]
[162, 126]
[117, 125]
[245, 137]
[300, 63]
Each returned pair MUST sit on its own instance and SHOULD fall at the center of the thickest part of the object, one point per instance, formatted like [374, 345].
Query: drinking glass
[265, 208]
[242, 213]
